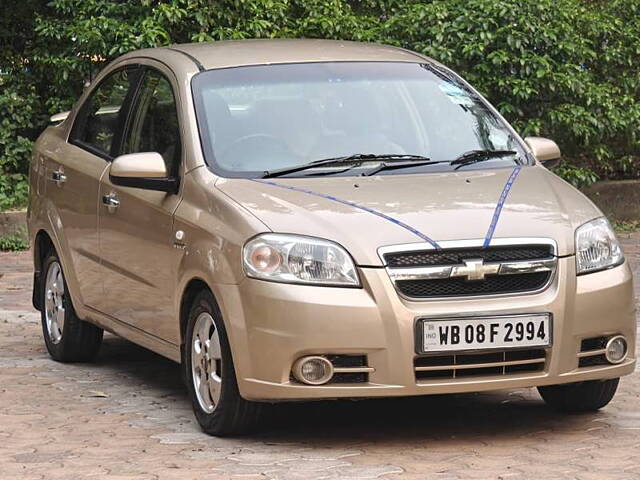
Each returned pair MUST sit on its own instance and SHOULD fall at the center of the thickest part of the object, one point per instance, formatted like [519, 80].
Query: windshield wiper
[475, 156]
[357, 159]
[394, 166]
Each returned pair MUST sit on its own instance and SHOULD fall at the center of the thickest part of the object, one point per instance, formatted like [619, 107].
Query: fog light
[616, 350]
[313, 370]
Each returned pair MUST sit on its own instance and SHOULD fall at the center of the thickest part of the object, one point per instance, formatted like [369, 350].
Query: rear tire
[68, 338]
[580, 397]
[210, 374]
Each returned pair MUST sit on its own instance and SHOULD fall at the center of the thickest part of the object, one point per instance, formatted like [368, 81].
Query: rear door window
[100, 120]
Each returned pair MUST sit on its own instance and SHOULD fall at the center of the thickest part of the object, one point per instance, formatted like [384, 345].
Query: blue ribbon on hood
[501, 201]
[487, 239]
[354, 205]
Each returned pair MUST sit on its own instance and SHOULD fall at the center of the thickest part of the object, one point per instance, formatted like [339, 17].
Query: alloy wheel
[54, 304]
[206, 362]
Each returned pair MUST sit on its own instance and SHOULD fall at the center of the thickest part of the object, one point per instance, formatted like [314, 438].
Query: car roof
[236, 53]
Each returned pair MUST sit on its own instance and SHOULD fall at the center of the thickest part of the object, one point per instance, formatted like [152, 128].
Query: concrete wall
[10, 222]
[619, 199]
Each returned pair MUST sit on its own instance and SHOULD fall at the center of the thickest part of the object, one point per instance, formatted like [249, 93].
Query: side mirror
[546, 151]
[142, 170]
[59, 117]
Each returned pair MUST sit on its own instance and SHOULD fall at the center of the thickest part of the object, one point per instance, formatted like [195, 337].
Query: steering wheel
[246, 149]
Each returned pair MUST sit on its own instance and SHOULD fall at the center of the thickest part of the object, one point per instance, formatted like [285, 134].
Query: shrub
[16, 126]
[566, 69]
[21, 112]
[14, 242]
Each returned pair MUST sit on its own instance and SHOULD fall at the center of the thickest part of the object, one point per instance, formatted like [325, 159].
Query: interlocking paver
[119, 419]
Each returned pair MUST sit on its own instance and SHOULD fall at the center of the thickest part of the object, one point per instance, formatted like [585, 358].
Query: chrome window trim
[448, 271]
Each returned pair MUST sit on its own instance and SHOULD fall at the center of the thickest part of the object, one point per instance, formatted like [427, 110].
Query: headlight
[298, 259]
[597, 247]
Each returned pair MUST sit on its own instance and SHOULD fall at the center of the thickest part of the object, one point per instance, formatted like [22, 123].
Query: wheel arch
[191, 289]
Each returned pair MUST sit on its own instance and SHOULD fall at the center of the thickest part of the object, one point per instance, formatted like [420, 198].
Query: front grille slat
[596, 343]
[592, 352]
[479, 364]
[465, 366]
[493, 284]
[430, 258]
[438, 279]
[593, 361]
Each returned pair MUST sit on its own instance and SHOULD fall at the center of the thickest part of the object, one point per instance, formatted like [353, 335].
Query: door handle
[111, 202]
[59, 177]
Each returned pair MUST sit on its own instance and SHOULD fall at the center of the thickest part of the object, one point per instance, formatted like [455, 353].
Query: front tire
[210, 375]
[68, 338]
[580, 397]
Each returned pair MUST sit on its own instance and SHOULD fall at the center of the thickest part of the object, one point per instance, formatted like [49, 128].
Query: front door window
[154, 126]
[99, 121]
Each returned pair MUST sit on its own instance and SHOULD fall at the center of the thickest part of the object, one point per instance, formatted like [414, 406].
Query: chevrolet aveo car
[307, 219]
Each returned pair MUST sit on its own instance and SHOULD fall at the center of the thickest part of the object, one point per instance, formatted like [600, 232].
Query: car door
[73, 171]
[138, 259]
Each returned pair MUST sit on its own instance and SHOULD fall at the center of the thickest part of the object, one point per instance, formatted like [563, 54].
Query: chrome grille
[470, 364]
[349, 368]
[592, 352]
[452, 287]
[461, 269]
[456, 256]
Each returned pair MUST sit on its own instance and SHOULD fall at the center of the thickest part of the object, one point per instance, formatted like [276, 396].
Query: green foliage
[16, 125]
[576, 176]
[566, 69]
[14, 242]
[21, 111]
[626, 227]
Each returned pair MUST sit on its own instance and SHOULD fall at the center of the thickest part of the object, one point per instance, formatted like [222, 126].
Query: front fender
[214, 231]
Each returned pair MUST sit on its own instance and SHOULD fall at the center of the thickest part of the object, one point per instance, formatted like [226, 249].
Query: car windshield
[259, 119]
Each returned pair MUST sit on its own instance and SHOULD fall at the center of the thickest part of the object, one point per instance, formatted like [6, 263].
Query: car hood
[365, 213]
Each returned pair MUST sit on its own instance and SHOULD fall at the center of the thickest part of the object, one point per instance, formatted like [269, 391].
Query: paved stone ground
[128, 417]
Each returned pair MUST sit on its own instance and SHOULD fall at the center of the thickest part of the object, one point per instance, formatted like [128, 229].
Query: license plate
[474, 333]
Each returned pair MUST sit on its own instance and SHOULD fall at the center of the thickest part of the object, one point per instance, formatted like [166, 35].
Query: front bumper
[270, 325]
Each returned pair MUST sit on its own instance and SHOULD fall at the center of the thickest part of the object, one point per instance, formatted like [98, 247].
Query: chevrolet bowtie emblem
[474, 269]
